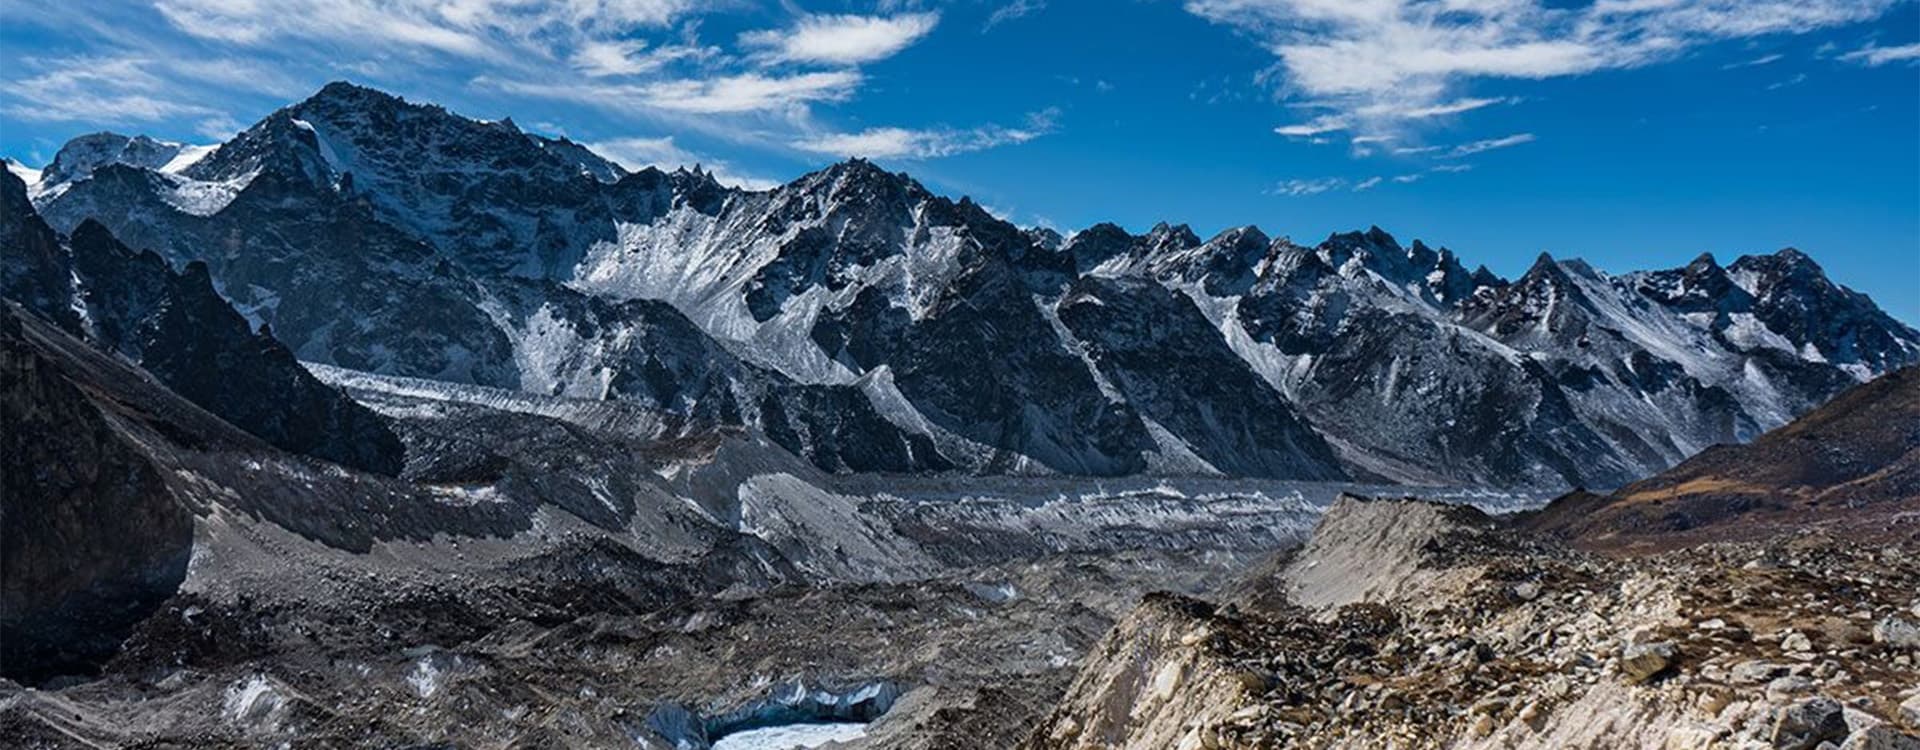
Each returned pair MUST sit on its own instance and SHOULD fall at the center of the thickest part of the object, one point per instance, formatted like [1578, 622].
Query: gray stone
[1643, 660]
[1806, 724]
[1881, 737]
[1898, 632]
[1787, 687]
[1755, 672]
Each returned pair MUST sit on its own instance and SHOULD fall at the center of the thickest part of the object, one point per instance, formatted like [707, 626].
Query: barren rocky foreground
[1406, 624]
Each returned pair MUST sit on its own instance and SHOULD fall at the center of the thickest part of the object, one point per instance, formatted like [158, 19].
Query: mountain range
[867, 324]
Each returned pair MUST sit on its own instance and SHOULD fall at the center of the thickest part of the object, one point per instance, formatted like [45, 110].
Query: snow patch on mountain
[205, 197]
[187, 156]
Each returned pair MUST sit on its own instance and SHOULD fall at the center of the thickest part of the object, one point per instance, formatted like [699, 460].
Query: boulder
[1640, 661]
[1881, 737]
[1806, 724]
[1897, 632]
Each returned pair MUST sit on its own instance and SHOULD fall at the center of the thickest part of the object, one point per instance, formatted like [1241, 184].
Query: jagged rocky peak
[590, 164]
[1164, 237]
[1097, 244]
[1373, 249]
[1288, 262]
[1372, 243]
[856, 191]
[1701, 286]
[1545, 300]
[1786, 270]
[1045, 238]
[81, 156]
[1433, 275]
[1246, 239]
[1224, 265]
[1114, 250]
[1794, 298]
[860, 179]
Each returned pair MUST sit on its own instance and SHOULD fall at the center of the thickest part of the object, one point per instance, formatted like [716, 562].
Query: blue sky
[1633, 133]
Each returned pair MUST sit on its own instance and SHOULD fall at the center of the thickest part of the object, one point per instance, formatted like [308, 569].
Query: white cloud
[904, 143]
[628, 57]
[1366, 184]
[1015, 10]
[1435, 110]
[1795, 80]
[470, 28]
[219, 128]
[1298, 188]
[247, 22]
[1316, 126]
[842, 40]
[750, 92]
[1755, 62]
[639, 153]
[1877, 56]
[1383, 115]
[613, 58]
[101, 91]
[1475, 147]
[1390, 60]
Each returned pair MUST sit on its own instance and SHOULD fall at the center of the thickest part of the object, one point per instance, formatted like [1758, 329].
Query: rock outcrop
[92, 538]
[178, 328]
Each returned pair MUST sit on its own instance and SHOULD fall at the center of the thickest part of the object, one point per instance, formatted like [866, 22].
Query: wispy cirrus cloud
[841, 39]
[1383, 112]
[907, 143]
[1767, 59]
[1872, 56]
[1381, 65]
[1297, 188]
[105, 90]
[1013, 11]
[473, 28]
[631, 57]
[750, 92]
[663, 152]
[1490, 144]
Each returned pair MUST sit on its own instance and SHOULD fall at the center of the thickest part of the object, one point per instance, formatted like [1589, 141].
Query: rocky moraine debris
[1509, 643]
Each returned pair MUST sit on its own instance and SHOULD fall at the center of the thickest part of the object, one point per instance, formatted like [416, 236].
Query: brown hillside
[1851, 466]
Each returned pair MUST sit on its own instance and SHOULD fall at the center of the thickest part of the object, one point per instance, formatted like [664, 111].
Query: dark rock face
[180, 330]
[34, 269]
[1163, 356]
[653, 356]
[519, 205]
[1794, 297]
[90, 539]
[983, 363]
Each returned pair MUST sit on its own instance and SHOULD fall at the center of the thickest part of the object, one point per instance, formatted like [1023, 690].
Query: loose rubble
[1756, 645]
